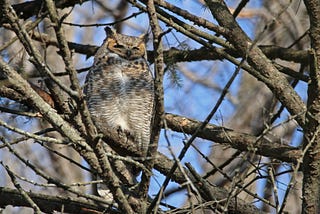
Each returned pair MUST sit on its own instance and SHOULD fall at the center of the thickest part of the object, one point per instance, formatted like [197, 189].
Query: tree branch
[311, 160]
[267, 73]
[32, 8]
[49, 204]
[241, 141]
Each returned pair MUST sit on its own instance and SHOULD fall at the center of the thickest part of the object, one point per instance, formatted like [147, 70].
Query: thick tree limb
[311, 160]
[237, 140]
[49, 203]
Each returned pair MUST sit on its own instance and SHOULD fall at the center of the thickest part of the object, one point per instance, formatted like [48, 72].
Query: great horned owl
[119, 87]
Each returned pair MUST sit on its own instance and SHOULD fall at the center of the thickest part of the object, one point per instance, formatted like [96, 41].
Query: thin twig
[104, 24]
[34, 206]
[30, 135]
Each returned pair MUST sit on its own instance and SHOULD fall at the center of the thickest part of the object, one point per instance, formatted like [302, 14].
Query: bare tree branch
[311, 161]
[256, 58]
[49, 203]
[241, 141]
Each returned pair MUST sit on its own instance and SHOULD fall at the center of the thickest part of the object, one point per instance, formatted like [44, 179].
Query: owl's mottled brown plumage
[119, 87]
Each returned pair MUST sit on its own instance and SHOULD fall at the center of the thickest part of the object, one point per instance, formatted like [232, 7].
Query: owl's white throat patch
[113, 55]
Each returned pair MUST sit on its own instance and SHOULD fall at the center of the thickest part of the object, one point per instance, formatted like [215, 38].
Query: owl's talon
[126, 132]
[119, 130]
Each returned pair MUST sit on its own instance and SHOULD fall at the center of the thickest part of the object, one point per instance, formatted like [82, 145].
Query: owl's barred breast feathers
[119, 88]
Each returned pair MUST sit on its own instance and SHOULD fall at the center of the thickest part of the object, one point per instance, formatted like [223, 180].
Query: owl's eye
[136, 48]
[118, 46]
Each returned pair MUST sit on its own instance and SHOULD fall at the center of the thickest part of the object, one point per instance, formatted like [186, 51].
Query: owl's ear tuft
[110, 32]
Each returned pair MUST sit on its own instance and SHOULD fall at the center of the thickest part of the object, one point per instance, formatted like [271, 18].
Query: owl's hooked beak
[128, 53]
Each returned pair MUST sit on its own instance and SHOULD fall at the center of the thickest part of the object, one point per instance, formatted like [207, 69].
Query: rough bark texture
[311, 160]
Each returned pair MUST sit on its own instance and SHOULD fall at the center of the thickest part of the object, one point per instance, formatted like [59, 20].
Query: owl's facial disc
[126, 50]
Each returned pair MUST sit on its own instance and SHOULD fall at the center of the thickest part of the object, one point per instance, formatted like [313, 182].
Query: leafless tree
[237, 107]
